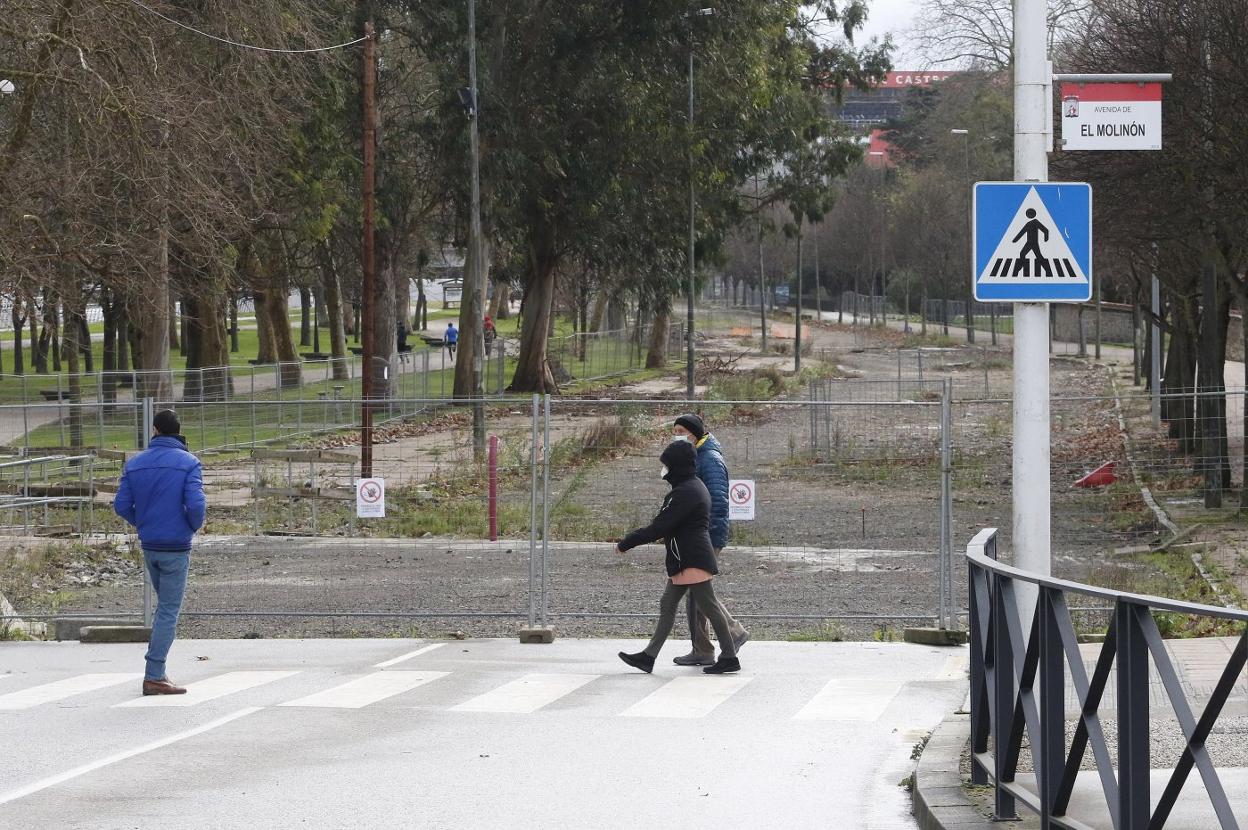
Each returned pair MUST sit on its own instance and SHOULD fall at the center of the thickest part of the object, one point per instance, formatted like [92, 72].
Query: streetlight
[692, 208]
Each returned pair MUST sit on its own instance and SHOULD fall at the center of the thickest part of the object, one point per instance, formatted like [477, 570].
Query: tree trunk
[266, 353]
[333, 309]
[73, 310]
[150, 335]
[660, 333]
[599, 313]
[797, 318]
[206, 350]
[19, 326]
[532, 372]
[305, 317]
[421, 318]
[1211, 389]
[108, 382]
[502, 300]
[123, 333]
[32, 316]
[1179, 379]
[471, 309]
[234, 324]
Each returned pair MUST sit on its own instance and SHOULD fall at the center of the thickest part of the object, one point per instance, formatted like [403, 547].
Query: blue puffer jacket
[162, 495]
[714, 474]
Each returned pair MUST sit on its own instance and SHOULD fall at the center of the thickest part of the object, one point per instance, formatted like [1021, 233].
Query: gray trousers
[700, 629]
[701, 594]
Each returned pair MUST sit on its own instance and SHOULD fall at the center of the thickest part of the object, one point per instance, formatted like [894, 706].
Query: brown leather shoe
[161, 687]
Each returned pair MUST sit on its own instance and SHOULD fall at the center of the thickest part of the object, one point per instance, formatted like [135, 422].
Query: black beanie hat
[167, 423]
[692, 423]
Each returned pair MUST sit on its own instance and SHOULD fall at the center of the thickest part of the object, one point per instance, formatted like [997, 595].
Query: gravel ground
[849, 526]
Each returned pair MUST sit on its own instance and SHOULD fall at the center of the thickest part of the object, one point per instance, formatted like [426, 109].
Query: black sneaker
[723, 665]
[694, 659]
[640, 660]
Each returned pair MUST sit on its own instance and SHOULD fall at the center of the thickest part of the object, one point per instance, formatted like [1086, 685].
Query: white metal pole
[1031, 493]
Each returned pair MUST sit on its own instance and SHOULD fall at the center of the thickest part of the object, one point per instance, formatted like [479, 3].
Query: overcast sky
[895, 17]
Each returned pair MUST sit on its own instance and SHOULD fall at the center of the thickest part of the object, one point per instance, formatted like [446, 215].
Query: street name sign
[1032, 242]
[1111, 116]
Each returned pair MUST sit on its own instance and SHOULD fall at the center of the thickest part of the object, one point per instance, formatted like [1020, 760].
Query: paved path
[473, 733]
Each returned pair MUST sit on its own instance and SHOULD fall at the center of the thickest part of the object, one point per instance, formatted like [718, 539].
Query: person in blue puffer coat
[713, 471]
[162, 495]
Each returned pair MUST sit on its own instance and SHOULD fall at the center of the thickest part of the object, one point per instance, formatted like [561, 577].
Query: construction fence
[860, 491]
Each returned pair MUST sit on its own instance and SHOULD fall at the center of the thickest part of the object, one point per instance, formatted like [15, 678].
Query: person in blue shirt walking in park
[162, 495]
[713, 472]
[451, 339]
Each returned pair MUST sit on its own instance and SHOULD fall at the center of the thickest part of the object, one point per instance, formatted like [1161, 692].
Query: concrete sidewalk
[473, 733]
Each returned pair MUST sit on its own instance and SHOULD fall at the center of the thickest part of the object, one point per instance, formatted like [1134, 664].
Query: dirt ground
[847, 521]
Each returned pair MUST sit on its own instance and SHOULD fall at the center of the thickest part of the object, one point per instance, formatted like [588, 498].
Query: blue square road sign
[1032, 242]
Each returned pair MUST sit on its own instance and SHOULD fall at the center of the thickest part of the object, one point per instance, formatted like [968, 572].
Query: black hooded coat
[683, 523]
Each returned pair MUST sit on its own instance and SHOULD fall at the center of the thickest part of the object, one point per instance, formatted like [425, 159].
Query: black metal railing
[1018, 684]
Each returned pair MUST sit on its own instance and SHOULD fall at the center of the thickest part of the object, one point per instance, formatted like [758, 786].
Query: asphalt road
[473, 733]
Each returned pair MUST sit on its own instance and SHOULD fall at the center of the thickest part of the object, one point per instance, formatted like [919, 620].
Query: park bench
[54, 394]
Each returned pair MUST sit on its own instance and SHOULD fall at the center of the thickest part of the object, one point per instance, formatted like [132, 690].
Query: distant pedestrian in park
[451, 339]
[682, 524]
[162, 495]
[490, 332]
[401, 336]
[713, 471]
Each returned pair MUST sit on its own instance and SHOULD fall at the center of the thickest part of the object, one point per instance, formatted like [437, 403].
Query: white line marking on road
[30, 789]
[395, 661]
[687, 697]
[61, 689]
[851, 699]
[956, 668]
[358, 693]
[528, 694]
[212, 688]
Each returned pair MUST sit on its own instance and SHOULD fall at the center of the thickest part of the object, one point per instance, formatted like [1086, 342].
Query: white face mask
[684, 438]
[663, 474]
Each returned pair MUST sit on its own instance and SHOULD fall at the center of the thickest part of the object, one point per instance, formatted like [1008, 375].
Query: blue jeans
[168, 575]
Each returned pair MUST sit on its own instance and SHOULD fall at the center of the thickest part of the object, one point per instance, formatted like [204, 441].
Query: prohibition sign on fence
[741, 499]
[370, 498]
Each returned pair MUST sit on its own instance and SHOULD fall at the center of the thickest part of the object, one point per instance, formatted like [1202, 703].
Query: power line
[228, 42]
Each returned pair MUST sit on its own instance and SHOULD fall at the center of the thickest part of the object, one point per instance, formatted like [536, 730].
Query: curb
[940, 799]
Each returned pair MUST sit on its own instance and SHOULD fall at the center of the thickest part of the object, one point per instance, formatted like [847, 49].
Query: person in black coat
[683, 524]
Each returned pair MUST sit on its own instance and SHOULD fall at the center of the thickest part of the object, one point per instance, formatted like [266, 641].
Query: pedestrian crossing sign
[1032, 242]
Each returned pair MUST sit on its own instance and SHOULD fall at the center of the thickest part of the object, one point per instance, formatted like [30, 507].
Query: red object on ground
[1099, 477]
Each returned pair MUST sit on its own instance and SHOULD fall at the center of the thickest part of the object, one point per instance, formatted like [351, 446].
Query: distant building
[884, 102]
[866, 112]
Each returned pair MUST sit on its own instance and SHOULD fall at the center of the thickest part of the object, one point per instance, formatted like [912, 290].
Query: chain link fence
[861, 490]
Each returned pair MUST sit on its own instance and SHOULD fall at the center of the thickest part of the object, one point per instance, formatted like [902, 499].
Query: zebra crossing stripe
[402, 657]
[61, 689]
[211, 688]
[528, 694]
[851, 699]
[687, 697]
[363, 691]
[69, 775]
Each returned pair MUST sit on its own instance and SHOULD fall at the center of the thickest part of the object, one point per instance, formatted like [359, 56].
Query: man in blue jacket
[162, 495]
[713, 472]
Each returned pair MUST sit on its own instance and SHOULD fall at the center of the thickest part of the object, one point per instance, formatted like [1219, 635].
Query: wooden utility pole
[369, 257]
